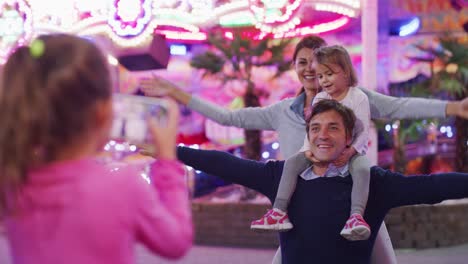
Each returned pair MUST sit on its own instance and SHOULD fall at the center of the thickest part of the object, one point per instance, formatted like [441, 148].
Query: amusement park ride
[133, 23]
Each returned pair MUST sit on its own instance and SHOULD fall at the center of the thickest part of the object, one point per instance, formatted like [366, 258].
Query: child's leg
[356, 227]
[292, 168]
[359, 167]
[277, 218]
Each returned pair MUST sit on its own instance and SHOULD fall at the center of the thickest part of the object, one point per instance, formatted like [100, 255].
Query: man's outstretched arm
[256, 175]
[400, 190]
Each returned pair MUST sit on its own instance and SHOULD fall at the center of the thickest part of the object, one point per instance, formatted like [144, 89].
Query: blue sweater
[320, 207]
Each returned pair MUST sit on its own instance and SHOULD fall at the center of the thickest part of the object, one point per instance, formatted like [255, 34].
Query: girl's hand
[157, 86]
[164, 135]
[344, 158]
[310, 156]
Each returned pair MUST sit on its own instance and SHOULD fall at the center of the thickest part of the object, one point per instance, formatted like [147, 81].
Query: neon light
[178, 49]
[409, 28]
[179, 35]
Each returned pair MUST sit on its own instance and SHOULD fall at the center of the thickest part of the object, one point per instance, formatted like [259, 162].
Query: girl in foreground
[59, 204]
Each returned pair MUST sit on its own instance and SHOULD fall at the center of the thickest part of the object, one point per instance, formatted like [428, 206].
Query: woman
[287, 117]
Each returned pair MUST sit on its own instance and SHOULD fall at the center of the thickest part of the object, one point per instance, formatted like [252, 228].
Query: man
[321, 201]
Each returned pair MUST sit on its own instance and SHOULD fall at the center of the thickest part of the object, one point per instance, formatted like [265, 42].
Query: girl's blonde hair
[47, 96]
[337, 55]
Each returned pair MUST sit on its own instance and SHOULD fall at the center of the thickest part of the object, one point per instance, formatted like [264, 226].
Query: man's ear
[349, 140]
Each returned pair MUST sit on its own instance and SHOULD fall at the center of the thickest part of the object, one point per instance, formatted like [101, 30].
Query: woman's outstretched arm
[385, 106]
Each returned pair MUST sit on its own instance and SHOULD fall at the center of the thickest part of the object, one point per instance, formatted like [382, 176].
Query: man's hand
[344, 158]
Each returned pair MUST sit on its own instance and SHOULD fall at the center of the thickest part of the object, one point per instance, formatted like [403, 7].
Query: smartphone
[131, 113]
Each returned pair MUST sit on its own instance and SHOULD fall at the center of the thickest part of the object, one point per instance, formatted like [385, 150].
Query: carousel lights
[136, 41]
[63, 14]
[178, 24]
[336, 9]
[324, 27]
[94, 7]
[201, 6]
[178, 16]
[271, 11]
[229, 7]
[279, 28]
[15, 26]
[356, 4]
[131, 21]
[129, 18]
[237, 19]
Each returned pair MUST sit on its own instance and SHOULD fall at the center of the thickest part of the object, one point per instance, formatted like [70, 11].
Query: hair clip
[36, 49]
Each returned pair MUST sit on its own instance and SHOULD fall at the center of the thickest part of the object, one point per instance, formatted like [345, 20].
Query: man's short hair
[325, 105]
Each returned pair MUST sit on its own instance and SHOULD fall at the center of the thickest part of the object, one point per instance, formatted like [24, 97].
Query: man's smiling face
[327, 136]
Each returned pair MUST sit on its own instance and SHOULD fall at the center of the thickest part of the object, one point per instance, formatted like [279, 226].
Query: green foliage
[209, 61]
[451, 78]
[242, 55]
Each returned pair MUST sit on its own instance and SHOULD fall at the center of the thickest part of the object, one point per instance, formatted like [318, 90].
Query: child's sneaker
[274, 219]
[356, 228]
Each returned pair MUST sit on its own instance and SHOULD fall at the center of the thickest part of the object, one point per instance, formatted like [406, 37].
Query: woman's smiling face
[304, 67]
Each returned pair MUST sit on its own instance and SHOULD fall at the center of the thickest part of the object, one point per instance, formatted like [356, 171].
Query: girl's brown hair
[47, 96]
[337, 55]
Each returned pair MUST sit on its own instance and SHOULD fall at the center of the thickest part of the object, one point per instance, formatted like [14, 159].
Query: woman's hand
[164, 135]
[458, 108]
[345, 156]
[463, 108]
[156, 86]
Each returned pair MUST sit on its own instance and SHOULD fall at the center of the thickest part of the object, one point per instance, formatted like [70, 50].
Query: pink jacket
[82, 212]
